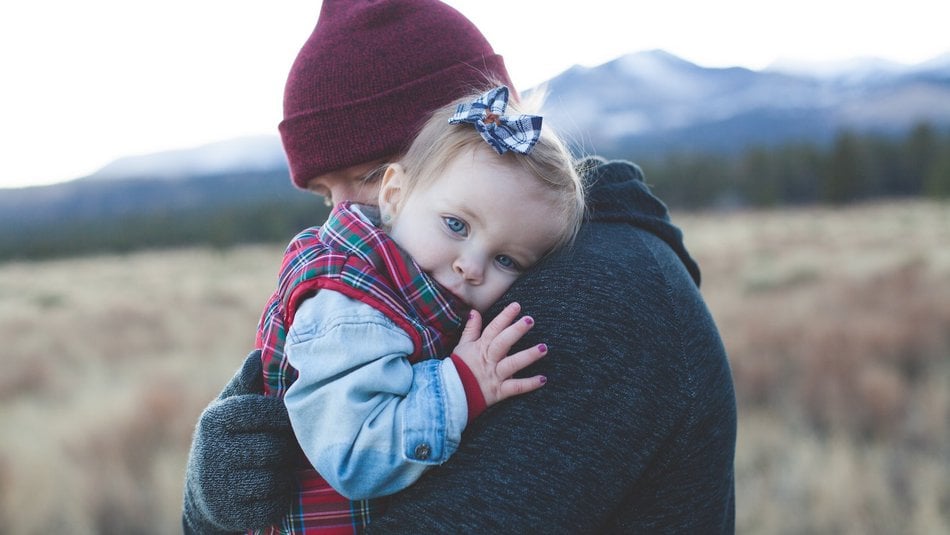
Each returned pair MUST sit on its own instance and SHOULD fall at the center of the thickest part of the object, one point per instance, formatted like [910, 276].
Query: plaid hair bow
[503, 132]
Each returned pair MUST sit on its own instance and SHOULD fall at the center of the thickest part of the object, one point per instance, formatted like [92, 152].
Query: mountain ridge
[641, 107]
[659, 102]
[654, 93]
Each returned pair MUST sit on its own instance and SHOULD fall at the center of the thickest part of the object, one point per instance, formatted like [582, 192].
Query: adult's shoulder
[618, 194]
[616, 262]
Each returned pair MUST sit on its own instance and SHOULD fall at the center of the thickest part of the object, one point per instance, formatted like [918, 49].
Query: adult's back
[635, 430]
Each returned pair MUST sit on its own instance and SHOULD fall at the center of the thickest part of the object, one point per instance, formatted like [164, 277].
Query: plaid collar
[354, 229]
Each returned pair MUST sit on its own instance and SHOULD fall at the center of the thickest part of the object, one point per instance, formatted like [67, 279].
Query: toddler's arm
[368, 420]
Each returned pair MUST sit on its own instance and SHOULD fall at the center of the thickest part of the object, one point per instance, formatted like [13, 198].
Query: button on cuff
[422, 451]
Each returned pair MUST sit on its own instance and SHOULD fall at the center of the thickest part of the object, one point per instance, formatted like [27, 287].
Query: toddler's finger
[473, 327]
[515, 387]
[500, 345]
[502, 320]
[513, 364]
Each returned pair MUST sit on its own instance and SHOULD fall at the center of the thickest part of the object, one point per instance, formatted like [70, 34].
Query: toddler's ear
[391, 190]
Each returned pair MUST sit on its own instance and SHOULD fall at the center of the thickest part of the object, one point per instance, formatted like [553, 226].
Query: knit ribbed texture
[369, 76]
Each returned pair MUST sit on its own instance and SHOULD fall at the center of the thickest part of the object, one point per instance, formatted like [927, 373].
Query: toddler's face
[476, 228]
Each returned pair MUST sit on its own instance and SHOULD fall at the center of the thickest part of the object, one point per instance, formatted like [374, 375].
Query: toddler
[361, 337]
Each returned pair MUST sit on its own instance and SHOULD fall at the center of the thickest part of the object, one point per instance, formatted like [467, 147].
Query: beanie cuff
[319, 141]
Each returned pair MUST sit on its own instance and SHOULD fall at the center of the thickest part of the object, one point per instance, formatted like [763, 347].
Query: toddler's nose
[471, 271]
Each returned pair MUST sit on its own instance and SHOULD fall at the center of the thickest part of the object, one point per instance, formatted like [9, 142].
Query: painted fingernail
[529, 320]
[543, 379]
[543, 348]
[471, 314]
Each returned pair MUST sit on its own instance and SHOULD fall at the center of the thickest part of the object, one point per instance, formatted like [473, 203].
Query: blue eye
[507, 262]
[455, 225]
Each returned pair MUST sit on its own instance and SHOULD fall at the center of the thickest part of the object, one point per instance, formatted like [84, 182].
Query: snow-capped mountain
[854, 69]
[653, 102]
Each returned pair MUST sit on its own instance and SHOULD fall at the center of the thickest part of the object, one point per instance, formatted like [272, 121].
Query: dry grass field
[837, 323]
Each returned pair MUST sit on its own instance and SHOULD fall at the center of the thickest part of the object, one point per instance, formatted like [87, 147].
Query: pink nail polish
[529, 320]
[544, 379]
[543, 348]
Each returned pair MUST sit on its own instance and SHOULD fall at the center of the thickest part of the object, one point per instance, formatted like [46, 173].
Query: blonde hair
[549, 161]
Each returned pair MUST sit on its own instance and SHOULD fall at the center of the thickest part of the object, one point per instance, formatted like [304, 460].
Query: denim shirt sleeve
[369, 421]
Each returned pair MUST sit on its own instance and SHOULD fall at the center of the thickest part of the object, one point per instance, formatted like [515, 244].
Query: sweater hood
[617, 193]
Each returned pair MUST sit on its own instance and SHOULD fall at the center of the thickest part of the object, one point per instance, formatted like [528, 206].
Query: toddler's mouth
[459, 297]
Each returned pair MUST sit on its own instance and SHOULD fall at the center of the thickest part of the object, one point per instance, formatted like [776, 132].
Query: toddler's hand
[486, 354]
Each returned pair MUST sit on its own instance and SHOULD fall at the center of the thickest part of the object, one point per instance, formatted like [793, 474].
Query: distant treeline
[230, 210]
[855, 167]
[93, 217]
[268, 222]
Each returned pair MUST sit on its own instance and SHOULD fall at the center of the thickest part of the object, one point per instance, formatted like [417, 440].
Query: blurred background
[803, 148]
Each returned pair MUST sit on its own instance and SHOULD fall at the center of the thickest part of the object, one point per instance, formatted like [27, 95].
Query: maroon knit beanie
[370, 74]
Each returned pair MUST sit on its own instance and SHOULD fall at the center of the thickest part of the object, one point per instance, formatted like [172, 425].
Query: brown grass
[837, 323]
[108, 362]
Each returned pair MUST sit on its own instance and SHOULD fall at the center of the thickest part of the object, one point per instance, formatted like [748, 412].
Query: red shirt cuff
[473, 392]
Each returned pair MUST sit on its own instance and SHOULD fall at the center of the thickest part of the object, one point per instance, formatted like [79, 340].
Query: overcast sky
[85, 82]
